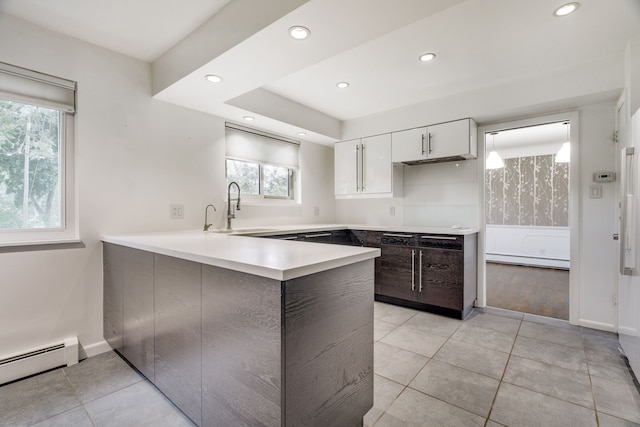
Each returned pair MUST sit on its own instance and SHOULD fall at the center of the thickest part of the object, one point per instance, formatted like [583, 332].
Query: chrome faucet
[231, 214]
[206, 210]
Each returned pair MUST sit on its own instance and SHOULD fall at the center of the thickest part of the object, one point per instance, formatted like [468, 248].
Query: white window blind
[248, 144]
[23, 85]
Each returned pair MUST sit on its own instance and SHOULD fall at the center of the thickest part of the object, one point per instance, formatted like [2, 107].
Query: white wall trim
[574, 204]
[94, 349]
[609, 327]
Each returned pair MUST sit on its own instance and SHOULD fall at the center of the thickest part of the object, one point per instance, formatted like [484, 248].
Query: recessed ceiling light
[566, 9]
[249, 118]
[427, 57]
[342, 85]
[299, 33]
[213, 78]
[302, 133]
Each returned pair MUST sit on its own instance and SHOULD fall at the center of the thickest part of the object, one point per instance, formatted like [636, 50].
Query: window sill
[41, 245]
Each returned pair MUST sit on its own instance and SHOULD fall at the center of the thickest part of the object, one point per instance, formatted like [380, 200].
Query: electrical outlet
[176, 211]
[392, 210]
[614, 297]
[316, 210]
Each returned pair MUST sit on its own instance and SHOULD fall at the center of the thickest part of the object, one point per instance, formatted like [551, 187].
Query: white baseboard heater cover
[16, 366]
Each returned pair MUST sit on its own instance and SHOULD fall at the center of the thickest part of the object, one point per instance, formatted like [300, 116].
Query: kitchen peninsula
[238, 330]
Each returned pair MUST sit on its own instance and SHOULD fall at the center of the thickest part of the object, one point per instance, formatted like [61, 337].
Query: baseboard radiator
[16, 366]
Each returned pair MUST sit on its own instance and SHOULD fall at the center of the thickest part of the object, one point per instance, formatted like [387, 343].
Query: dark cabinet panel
[432, 272]
[396, 277]
[114, 265]
[137, 309]
[128, 305]
[441, 277]
[178, 333]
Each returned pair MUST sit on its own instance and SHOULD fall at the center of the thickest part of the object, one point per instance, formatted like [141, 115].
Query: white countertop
[271, 258]
[284, 229]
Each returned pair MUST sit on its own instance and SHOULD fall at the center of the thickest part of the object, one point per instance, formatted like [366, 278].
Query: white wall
[135, 156]
[598, 219]
[435, 195]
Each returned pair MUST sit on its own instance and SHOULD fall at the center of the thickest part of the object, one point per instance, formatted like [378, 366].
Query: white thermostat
[604, 176]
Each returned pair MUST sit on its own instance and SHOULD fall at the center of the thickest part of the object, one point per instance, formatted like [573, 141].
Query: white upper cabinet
[408, 145]
[346, 166]
[455, 140]
[363, 168]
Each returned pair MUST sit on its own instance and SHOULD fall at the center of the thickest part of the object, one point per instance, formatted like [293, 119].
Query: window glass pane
[30, 175]
[276, 181]
[246, 174]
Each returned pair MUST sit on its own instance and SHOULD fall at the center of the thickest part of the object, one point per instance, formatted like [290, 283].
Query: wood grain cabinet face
[241, 349]
[113, 265]
[128, 305]
[397, 273]
[441, 280]
[178, 329]
[138, 310]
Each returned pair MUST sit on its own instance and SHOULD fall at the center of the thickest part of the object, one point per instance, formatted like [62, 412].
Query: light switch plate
[595, 191]
[176, 211]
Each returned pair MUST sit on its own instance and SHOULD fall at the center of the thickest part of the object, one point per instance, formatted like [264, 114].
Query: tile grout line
[593, 396]
[495, 397]
[75, 392]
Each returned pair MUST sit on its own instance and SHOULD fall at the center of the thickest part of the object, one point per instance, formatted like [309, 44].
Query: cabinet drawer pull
[406, 236]
[439, 237]
[357, 168]
[363, 177]
[288, 238]
[420, 273]
[413, 270]
[311, 236]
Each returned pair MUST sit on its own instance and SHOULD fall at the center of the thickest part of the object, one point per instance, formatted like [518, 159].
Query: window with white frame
[37, 202]
[263, 165]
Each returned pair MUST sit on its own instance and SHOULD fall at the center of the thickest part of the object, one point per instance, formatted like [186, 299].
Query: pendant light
[494, 161]
[564, 153]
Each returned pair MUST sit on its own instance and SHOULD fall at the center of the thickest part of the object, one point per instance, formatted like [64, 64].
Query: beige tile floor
[495, 368]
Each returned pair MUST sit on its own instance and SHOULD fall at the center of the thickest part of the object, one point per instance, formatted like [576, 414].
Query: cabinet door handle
[288, 238]
[423, 144]
[357, 168]
[413, 270]
[311, 236]
[408, 236]
[420, 273]
[363, 166]
[429, 144]
[439, 237]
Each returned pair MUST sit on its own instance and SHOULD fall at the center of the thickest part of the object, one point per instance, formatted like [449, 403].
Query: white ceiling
[289, 85]
[142, 29]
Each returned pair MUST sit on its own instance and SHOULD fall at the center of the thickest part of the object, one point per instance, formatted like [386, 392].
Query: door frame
[573, 117]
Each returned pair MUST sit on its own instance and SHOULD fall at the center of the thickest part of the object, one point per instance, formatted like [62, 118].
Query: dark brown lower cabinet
[441, 277]
[396, 275]
[431, 272]
[235, 349]
[435, 273]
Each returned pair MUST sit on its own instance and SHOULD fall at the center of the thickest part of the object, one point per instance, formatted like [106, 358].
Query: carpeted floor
[535, 290]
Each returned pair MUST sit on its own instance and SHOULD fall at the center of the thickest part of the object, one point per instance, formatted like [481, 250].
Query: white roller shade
[22, 85]
[252, 145]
